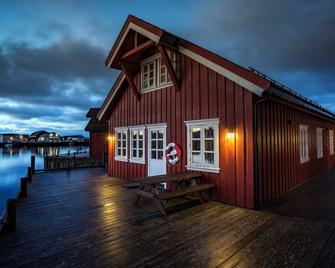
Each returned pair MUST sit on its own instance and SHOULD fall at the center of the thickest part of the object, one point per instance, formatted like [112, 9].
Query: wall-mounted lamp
[231, 134]
[110, 138]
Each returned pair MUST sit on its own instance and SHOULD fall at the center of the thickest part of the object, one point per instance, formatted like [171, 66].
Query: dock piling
[11, 214]
[30, 174]
[23, 187]
[32, 163]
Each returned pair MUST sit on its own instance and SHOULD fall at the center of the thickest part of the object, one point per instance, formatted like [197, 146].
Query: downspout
[256, 171]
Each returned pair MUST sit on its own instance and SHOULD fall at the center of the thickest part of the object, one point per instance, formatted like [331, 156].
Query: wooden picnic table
[185, 184]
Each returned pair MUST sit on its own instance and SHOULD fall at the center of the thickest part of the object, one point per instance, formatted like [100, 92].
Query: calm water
[14, 163]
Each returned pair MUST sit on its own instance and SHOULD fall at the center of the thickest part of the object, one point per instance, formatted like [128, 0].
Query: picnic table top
[167, 178]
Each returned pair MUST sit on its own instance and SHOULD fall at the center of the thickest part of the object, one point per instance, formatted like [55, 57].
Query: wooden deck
[83, 218]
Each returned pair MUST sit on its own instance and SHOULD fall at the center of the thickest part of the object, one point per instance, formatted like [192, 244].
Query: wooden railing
[70, 162]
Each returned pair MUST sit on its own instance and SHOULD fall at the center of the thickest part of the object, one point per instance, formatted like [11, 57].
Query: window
[154, 74]
[203, 145]
[121, 144]
[331, 142]
[137, 140]
[303, 136]
[319, 142]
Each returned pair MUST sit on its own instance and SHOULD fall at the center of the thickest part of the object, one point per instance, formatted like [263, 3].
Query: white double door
[156, 150]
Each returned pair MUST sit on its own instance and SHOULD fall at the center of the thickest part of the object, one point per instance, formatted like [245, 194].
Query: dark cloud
[282, 35]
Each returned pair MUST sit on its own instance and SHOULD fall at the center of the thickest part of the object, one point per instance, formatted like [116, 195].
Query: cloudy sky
[52, 52]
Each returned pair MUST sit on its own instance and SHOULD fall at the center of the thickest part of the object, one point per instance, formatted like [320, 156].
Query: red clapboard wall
[278, 148]
[203, 94]
[98, 143]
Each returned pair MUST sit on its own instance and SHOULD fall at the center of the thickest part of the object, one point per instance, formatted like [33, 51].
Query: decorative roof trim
[109, 99]
[138, 29]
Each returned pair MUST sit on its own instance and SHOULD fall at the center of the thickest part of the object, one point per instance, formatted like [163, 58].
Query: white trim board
[223, 71]
[112, 97]
[138, 29]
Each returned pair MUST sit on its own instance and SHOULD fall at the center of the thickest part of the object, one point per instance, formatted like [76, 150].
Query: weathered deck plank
[84, 218]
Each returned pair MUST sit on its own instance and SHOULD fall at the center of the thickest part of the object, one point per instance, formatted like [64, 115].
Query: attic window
[154, 74]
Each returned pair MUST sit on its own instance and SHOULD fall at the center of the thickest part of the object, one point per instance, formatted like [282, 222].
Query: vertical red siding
[278, 148]
[98, 143]
[203, 94]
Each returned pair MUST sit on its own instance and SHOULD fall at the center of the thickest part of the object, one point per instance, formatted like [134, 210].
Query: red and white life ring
[173, 153]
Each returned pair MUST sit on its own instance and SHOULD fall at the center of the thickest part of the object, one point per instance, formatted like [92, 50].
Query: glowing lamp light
[110, 138]
[230, 135]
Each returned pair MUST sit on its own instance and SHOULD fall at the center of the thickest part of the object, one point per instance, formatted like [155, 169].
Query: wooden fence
[69, 162]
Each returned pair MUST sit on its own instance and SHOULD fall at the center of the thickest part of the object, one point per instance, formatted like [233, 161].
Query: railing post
[30, 174]
[11, 214]
[23, 187]
[32, 163]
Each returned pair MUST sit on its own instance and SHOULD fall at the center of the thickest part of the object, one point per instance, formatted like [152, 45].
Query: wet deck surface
[86, 219]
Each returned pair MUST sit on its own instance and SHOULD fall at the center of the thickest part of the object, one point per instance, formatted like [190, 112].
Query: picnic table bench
[185, 185]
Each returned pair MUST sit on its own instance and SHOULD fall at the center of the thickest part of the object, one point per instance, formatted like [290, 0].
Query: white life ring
[172, 153]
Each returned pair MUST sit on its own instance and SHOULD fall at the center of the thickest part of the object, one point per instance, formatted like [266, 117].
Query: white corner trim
[138, 29]
[204, 169]
[223, 71]
[112, 97]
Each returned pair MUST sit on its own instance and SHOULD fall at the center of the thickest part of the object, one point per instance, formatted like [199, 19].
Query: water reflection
[14, 162]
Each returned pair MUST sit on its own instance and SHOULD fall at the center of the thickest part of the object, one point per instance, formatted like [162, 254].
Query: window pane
[119, 152]
[209, 132]
[153, 154]
[124, 135]
[209, 145]
[124, 144]
[134, 153]
[134, 135]
[145, 68]
[119, 135]
[124, 152]
[160, 155]
[209, 158]
[140, 134]
[140, 144]
[134, 144]
[153, 144]
[153, 134]
[160, 145]
[140, 153]
[196, 145]
[196, 158]
[119, 144]
[196, 132]
[160, 134]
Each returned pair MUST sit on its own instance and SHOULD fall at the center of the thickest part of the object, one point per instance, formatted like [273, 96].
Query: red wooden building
[251, 136]
[98, 134]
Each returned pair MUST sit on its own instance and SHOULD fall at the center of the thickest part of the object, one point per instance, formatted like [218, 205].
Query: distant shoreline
[44, 144]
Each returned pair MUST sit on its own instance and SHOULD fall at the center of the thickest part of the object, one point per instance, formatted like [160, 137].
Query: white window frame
[156, 60]
[139, 160]
[331, 142]
[121, 157]
[214, 123]
[319, 142]
[304, 143]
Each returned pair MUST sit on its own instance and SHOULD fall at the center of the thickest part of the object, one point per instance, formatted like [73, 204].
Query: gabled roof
[94, 125]
[232, 71]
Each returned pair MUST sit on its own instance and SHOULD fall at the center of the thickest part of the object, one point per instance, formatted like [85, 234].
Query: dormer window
[154, 74]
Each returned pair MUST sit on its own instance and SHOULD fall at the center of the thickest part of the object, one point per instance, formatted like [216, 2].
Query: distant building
[49, 137]
[74, 138]
[35, 135]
